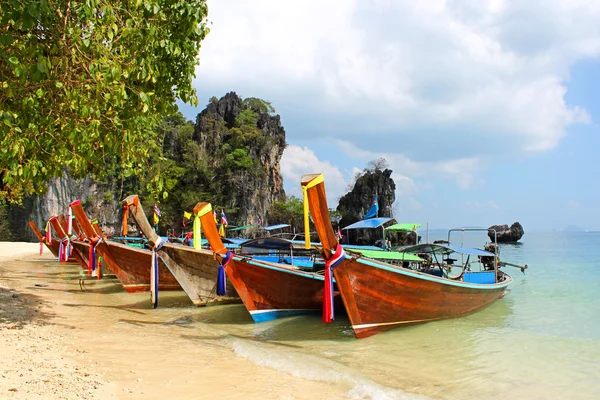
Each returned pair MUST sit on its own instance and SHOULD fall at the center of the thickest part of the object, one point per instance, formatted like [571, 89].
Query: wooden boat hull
[134, 264]
[379, 298]
[271, 292]
[199, 269]
[83, 248]
[60, 231]
[53, 247]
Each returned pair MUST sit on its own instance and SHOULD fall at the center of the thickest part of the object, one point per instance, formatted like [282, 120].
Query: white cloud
[462, 171]
[472, 204]
[492, 204]
[439, 80]
[297, 161]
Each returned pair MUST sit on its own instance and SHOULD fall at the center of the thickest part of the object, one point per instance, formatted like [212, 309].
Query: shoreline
[62, 342]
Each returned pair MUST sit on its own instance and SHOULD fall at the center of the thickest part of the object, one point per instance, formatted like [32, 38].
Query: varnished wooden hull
[53, 247]
[200, 273]
[83, 247]
[60, 231]
[379, 298]
[134, 268]
[271, 291]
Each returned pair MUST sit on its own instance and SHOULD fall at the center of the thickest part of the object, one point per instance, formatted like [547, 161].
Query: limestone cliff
[354, 204]
[221, 132]
[230, 157]
[98, 201]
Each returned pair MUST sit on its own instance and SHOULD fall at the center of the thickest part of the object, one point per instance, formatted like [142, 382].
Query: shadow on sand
[18, 309]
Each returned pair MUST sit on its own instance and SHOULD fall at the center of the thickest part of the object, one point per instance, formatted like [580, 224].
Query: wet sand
[58, 341]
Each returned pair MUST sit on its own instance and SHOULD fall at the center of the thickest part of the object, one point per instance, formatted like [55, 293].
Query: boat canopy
[445, 249]
[237, 241]
[268, 243]
[240, 228]
[273, 227]
[387, 255]
[369, 223]
[403, 227]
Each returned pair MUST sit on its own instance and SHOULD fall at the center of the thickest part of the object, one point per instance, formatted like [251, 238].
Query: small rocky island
[505, 234]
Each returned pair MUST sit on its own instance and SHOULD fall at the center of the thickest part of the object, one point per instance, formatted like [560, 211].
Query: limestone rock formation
[252, 191]
[505, 234]
[236, 148]
[97, 199]
[353, 205]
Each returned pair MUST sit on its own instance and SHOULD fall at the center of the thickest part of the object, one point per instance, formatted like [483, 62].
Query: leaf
[41, 66]
[13, 60]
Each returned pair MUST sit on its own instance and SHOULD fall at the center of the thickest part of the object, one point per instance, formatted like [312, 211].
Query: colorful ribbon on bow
[197, 232]
[93, 265]
[48, 233]
[154, 272]
[336, 258]
[124, 227]
[64, 250]
[221, 278]
[313, 183]
[69, 221]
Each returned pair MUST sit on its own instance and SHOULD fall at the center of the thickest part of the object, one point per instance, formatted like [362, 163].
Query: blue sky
[487, 111]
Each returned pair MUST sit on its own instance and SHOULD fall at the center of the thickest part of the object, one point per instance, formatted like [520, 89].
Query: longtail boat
[129, 264]
[66, 249]
[269, 290]
[195, 269]
[380, 296]
[51, 245]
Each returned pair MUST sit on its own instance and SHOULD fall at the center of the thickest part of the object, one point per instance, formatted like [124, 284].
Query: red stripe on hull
[385, 300]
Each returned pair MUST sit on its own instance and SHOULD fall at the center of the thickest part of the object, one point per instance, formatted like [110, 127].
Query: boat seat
[485, 277]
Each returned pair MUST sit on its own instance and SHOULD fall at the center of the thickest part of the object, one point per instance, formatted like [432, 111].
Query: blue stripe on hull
[270, 315]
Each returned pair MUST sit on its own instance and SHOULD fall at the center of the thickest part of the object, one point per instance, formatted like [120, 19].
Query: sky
[485, 110]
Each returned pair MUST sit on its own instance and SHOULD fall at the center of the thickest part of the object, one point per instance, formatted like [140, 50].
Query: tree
[290, 211]
[379, 164]
[84, 84]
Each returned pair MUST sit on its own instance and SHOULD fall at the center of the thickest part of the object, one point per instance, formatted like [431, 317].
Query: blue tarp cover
[368, 223]
[272, 227]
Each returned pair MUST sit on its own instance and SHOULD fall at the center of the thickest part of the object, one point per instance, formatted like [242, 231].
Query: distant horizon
[486, 112]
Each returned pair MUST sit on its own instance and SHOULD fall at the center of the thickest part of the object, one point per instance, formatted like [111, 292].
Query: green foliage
[259, 105]
[108, 197]
[290, 211]
[247, 120]
[238, 159]
[82, 84]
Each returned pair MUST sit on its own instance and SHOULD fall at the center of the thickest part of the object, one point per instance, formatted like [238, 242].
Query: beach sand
[59, 342]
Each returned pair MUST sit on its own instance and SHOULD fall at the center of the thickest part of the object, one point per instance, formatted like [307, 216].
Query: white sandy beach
[58, 342]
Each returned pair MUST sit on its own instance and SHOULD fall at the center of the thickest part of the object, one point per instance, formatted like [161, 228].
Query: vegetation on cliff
[229, 157]
[375, 180]
[82, 84]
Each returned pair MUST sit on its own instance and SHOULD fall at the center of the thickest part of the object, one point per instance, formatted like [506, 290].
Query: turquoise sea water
[542, 340]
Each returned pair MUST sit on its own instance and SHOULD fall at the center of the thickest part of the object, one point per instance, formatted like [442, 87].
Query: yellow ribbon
[313, 183]
[198, 226]
[197, 232]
